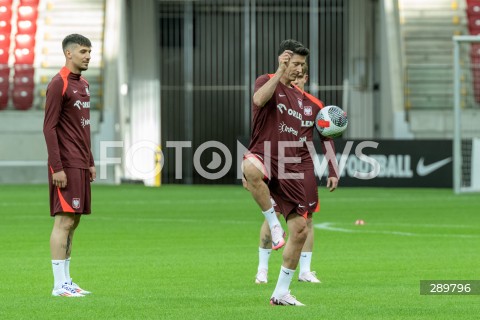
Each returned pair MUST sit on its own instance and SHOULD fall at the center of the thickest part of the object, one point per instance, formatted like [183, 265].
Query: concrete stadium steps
[89, 20]
[427, 29]
[429, 73]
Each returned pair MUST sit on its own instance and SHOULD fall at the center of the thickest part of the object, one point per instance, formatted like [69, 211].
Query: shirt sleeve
[53, 109]
[260, 82]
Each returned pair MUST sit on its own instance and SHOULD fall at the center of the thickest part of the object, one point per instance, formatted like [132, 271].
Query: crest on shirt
[300, 103]
[307, 110]
[87, 91]
[76, 203]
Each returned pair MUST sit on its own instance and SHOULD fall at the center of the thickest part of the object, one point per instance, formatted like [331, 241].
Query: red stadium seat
[4, 41]
[475, 66]
[22, 98]
[24, 70]
[5, 12]
[23, 81]
[24, 56]
[7, 3]
[4, 76]
[24, 49]
[474, 10]
[27, 13]
[25, 41]
[4, 56]
[474, 23]
[26, 27]
[3, 98]
[5, 26]
[29, 2]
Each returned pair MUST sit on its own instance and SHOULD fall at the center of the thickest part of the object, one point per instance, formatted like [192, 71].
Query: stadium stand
[31, 32]
[5, 30]
[473, 16]
[89, 20]
[427, 28]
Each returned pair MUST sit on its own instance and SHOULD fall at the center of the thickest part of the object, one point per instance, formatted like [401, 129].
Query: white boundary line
[329, 226]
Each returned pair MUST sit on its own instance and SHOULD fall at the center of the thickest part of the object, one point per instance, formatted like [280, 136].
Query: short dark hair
[293, 45]
[77, 39]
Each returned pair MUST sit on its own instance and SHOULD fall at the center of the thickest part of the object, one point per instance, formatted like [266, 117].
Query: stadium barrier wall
[402, 163]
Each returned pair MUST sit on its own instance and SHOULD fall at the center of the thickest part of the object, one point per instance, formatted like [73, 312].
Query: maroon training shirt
[67, 122]
[278, 120]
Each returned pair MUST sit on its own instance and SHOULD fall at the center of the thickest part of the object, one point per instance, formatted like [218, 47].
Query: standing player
[311, 107]
[71, 168]
[275, 138]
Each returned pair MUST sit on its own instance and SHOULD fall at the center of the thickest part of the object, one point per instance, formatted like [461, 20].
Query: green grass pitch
[190, 252]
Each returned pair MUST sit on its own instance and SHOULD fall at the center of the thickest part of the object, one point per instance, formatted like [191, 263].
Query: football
[331, 121]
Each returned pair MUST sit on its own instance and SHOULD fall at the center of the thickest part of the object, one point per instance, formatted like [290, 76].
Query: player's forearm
[330, 154]
[92, 162]
[265, 93]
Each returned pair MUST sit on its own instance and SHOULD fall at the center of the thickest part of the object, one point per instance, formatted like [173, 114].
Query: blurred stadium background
[184, 71]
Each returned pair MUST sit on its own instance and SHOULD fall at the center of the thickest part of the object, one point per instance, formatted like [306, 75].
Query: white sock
[271, 217]
[67, 270]
[263, 257]
[283, 283]
[58, 267]
[305, 261]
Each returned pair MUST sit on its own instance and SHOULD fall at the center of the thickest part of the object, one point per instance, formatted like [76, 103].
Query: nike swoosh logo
[300, 206]
[304, 255]
[282, 95]
[423, 170]
[287, 273]
[311, 204]
[75, 91]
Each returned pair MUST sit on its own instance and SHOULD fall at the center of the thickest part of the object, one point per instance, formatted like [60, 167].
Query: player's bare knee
[254, 181]
[64, 222]
[299, 231]
[251, 171]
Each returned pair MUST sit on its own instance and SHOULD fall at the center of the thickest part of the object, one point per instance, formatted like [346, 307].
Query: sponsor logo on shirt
[284, 128]
[300, 103]
[281, 107]
[307, 123]
[79, 104]
[85, 122]
[295, 114]
[87, 91]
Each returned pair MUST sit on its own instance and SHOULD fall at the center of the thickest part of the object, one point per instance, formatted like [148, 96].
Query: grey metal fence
[210, 53]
